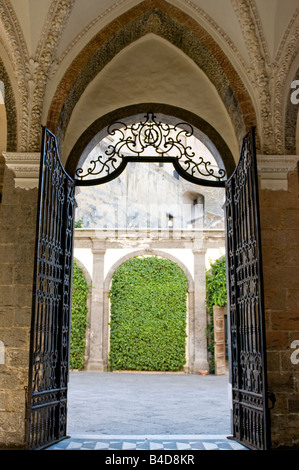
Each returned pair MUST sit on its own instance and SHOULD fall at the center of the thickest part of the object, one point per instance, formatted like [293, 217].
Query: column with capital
[95, 361]
[200, 355]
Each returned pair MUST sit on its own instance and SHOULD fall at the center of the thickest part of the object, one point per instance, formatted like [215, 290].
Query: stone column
[96, 361]
[200, 315]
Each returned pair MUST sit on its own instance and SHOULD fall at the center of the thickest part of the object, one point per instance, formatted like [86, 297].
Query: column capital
[199, 250]
[98, 247]
[273, 170]
[25, 167]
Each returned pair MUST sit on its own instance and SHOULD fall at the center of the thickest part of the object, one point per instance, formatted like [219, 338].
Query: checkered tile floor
[152, 443]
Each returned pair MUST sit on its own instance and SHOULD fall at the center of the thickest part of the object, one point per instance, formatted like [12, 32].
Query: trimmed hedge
[80, 290]
[148, 315]
[216, 294]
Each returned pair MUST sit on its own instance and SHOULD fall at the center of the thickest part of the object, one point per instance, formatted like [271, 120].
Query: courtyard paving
[147, 411]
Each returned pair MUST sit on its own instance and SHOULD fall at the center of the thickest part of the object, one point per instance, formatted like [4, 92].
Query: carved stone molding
[179, 29]
[32, 72]
[25, 167]
[269, 74]
[273, 170]
[257, 71]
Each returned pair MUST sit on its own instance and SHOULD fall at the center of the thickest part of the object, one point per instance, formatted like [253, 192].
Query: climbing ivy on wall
[80, 290]
[216, 294]
[148, 315]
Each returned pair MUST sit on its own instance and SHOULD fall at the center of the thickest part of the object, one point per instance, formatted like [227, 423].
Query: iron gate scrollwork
[50, 329]
[245, 301]
[150, 140]
[49, 348]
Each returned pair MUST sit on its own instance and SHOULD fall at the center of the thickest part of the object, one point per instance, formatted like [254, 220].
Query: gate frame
[238, 430]
[67, 280]
[60, 392]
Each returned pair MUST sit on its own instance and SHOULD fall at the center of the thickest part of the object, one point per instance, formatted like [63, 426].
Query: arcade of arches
[222, 65]
[100, 253]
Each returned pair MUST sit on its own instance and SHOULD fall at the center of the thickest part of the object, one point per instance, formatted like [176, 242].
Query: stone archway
[10, 113]
[244, 177]
[103, 347]
[178, 29]
[8, 120]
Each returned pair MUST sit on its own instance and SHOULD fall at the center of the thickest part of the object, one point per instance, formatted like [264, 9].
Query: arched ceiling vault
[151, 70]
[179, 30]
[46, 48]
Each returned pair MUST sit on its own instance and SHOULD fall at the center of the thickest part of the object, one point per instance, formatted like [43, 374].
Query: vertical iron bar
[46, 405]
[251, 420]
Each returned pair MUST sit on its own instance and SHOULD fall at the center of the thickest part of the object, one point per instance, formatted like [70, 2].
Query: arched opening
[196, 344]
[148, 294]
[172, 25]
[190, 298]
[196, 201]
[79, 114]
[252, 378]
[210, 140]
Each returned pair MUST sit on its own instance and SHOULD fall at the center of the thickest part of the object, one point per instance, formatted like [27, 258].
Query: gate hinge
[272, 398]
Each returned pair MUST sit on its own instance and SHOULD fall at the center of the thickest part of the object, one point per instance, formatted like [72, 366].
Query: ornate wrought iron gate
[50, 329]
[245, 292]
[49, 349]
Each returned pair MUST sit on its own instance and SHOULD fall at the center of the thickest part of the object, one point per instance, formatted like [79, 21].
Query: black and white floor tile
[150, 443]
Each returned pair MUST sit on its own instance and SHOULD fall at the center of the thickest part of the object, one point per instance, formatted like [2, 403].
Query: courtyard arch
[148, 316]
[248, 54]
[190, 299]
[159, 18]
[248, 363]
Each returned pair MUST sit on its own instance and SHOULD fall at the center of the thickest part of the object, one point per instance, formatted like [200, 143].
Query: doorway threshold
[163, 442]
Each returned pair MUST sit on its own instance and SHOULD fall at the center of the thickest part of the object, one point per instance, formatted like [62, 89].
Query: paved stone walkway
[145, 403]
[147, 411]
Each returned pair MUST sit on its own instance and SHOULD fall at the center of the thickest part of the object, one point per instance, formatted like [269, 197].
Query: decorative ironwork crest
[151, 141]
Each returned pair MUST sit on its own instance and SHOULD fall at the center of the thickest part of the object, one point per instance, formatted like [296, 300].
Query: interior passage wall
[17, 243]
[280, 247]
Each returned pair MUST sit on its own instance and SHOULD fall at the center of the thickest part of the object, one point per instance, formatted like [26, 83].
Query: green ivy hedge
[148, 315]
[80, 290]
[216, 294]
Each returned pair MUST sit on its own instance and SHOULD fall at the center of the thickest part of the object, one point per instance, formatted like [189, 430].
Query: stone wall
[144, 195]
[280, 247]
[17, 242]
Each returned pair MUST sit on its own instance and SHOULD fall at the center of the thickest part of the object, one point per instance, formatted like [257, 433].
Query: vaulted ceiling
[66, 63]
[85, 18]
